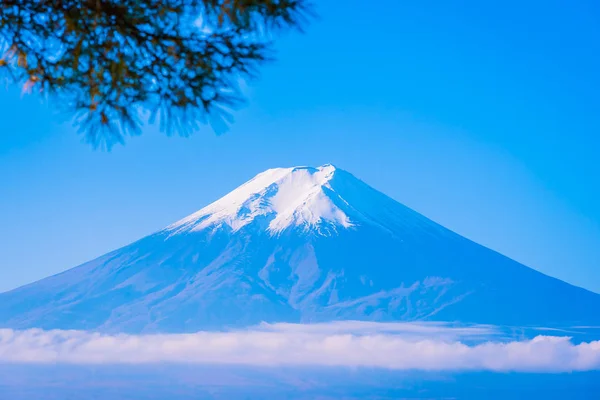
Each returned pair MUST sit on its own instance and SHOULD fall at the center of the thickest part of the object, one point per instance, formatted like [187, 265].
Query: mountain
[297, 245]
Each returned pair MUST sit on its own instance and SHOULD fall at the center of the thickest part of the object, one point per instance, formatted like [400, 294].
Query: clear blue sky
[484, 116]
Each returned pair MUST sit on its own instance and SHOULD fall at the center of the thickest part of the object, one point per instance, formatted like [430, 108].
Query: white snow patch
[290, 197]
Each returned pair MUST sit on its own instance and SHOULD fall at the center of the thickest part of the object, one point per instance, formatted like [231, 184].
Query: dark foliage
[115, 62]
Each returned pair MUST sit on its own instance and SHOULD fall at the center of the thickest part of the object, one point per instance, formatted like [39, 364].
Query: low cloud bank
[437, 329]
[399, 346]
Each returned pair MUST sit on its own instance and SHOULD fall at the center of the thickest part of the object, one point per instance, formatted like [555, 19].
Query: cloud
[421, 329]
[347, 344]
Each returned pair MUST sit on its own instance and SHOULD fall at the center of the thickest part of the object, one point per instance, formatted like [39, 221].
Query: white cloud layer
[349, 344]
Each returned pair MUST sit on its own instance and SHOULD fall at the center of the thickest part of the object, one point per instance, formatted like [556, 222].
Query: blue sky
[483, 117]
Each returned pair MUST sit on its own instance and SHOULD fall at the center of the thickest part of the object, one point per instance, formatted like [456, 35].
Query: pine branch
[111, 62]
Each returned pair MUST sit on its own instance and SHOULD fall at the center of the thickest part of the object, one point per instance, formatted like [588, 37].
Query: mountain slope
[297, 244]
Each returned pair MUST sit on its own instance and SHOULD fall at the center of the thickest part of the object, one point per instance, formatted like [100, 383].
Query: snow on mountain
[289, 197]
[297, 245]
[318, 200]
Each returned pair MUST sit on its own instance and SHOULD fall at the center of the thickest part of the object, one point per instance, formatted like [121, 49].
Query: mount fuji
[297, 245]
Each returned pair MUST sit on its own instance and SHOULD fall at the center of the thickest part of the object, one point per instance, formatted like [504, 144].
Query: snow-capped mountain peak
[297, 245]
[284, 197]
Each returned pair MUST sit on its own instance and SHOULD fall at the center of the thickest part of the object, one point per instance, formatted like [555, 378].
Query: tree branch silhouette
[112, 63]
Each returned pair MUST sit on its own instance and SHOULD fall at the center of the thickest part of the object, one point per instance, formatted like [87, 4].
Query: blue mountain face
[297, 245]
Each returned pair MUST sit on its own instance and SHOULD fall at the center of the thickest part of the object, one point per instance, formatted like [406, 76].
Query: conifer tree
[112, 63]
